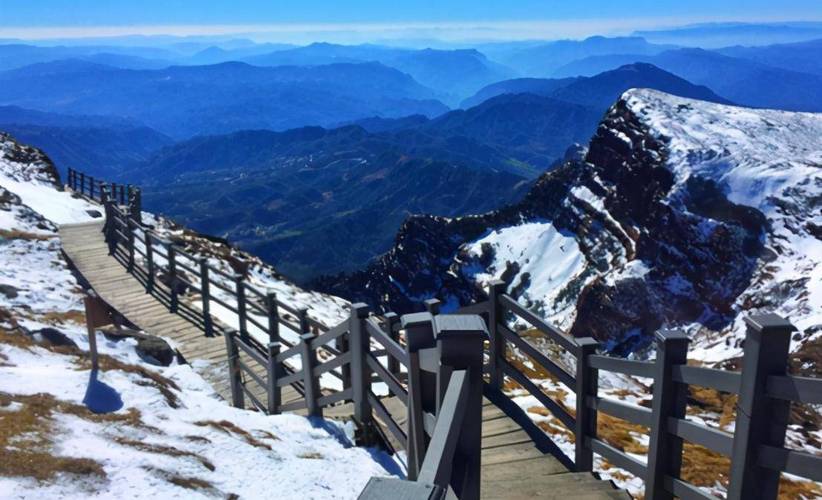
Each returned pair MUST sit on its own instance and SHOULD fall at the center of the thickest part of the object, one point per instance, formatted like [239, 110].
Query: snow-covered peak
[754, 154]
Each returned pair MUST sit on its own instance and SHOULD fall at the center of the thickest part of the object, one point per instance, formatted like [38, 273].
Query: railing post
[433, 306]
[172, 278]
[419, 334]
[460, 340]
[273, 391]
[586, 418]
[392, 324]
[670, 400]
[760, 420]
[109, 225]
[234, 375]
[91, 188]
[82, 183]
[343, 345]
[70, 179]
[149, 262]
[302, 319]
[130, 229]
[115, 196]
[273, 311]
[205, 293]
[135, 203]
[311, 382]
[361, 375]
[239, 287]
[496, 352]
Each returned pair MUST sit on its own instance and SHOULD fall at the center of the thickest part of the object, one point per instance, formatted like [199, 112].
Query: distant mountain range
[716, 35]
[454, 74]
[183, 101]
[805, 57]
[101, 145]
[542, 59]
[601, 90]
[743, 81]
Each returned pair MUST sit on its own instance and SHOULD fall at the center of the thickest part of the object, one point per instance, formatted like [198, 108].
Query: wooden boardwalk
[513, 466]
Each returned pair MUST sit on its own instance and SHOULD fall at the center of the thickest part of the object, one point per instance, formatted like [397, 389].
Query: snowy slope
[173, 437]
[546, 261]
[29, 174]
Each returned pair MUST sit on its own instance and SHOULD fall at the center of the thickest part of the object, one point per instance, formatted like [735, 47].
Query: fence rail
[435, 365]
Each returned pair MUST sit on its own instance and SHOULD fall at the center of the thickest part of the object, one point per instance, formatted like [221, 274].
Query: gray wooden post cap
[380, 488]
[419, 331]
[460, 338]
[360, 310]
[770, 322]
[669, 335]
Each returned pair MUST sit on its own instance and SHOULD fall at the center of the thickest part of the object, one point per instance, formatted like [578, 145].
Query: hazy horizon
[372, 21]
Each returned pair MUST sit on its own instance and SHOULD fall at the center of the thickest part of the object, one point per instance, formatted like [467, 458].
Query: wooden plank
[512, 453]
[507, 439]
[527, 470]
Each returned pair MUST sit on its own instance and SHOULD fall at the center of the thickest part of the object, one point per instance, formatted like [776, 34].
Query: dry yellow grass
[16, 234]
[187, 482]
[59, 318]
[229, 428]
[160, 449]
[26, 440]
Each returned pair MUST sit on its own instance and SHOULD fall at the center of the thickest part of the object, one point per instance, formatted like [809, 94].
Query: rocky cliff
[682, 213]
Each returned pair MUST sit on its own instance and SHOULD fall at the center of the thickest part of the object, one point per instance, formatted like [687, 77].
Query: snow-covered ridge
[754, 154]
[766, 159]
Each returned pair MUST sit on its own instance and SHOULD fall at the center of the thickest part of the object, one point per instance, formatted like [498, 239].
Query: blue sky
[95, 17]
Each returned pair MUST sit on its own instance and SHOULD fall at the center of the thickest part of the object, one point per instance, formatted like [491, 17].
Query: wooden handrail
[438, 463]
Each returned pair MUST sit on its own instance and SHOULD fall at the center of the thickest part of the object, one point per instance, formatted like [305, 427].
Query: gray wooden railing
[121, 194]
[434, 363]
[765, 392]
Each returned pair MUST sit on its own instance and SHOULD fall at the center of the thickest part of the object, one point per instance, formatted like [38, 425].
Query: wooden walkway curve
[514, 466]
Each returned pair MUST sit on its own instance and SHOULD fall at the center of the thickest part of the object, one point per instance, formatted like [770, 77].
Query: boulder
[9, 291]
[115, 334]
[52, 337]
[155, 350]
[172, 283]
[94, 214]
